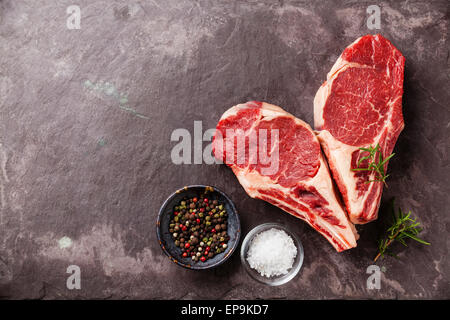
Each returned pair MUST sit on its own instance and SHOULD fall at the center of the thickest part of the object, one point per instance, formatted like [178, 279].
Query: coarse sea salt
[272, 253]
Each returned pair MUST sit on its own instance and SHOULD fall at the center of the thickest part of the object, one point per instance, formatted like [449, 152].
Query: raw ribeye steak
[360, 105]
[296, 179]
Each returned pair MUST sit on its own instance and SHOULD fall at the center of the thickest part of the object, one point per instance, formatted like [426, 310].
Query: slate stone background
[86, 118]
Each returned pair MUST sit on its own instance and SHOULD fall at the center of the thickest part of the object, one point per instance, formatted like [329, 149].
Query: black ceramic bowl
[165, 238]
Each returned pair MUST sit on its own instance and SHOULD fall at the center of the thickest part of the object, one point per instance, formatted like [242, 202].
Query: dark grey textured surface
[85, 123]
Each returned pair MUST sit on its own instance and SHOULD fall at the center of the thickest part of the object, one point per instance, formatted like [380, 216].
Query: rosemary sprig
[402, 228]
[376, 163]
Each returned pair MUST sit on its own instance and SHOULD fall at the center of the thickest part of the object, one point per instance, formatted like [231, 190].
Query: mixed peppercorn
[199, 227]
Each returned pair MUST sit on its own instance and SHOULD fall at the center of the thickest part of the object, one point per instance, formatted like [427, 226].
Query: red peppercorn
[185, 254]
[208, 248]
[184, 228]
[205, 200]
[198, 221]
[187, 245]
[195, 199]
[205, 253]
[175, 213]
[213, 230]
[202, 259]
[202, 209]
[181, 225]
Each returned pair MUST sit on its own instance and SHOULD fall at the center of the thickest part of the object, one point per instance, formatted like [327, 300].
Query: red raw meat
[360, 105]
[299, 183]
